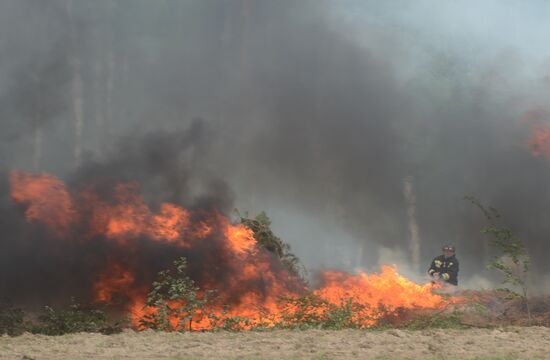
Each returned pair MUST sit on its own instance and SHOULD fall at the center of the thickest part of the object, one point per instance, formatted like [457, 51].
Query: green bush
[307, 311]
[11, 319]
[437, 321]
[175, 300]
[513, 260]
[75, 318]
[261, 227]
[311, 311]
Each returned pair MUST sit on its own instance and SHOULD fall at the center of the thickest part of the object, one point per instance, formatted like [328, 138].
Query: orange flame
[46, 198]
[252, 280]
[387, 289]
[115, 280]
[540, 132]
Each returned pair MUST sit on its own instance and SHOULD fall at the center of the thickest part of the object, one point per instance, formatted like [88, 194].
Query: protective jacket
[446, 267]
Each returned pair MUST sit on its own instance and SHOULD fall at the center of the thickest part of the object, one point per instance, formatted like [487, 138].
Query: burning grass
[491, 309]
[255, 278]
[226, 275]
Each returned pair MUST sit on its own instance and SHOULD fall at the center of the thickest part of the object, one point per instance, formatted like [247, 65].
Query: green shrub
[261, 227]
[513, 260]
[11, 319]
[346, 315]
[311, 311]
[437, 321]
[75, 318]
[307, 311]
[175, 300]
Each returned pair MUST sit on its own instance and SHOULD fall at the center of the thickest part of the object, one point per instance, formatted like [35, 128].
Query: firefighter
[444, 268]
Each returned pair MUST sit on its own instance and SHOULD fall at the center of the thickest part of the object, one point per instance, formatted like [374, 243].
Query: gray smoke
[315, 111]
[39, 267]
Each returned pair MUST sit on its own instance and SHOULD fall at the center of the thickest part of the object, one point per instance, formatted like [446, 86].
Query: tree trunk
[524, 285]
[76, 90]
[106, 131]
[99, 111]
[414, 237]
[37, 146]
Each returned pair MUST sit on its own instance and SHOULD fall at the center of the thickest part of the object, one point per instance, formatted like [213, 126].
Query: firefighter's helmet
[448, 248]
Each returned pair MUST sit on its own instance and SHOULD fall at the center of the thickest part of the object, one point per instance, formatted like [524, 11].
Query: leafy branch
[261, 227]
[175, 300]
[514, 260]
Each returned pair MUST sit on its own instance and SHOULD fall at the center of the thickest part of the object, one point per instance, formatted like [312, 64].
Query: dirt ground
[506, 343]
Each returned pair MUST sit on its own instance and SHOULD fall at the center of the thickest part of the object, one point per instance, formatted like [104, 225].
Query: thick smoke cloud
[39, 266]
[167, 167]
[313, 108]
[36, 96]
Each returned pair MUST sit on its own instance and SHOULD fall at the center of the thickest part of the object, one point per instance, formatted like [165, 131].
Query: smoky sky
[318, 110]
[44, 267]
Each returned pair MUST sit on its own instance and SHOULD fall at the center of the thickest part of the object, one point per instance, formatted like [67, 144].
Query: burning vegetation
[175, 268]
[539, 143]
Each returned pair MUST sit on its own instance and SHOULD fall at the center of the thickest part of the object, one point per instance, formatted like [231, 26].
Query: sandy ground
[508, 343]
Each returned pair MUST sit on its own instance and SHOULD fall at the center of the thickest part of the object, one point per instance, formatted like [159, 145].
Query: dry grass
[506, 343]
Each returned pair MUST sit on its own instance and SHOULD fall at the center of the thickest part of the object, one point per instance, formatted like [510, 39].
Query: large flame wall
[133, 242]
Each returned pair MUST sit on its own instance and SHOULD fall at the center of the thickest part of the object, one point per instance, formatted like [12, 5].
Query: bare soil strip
[507, 343]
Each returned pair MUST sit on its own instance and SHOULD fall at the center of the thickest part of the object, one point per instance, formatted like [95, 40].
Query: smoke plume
[315, 111]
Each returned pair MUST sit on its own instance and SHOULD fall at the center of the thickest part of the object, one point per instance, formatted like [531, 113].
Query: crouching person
[444, 269]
